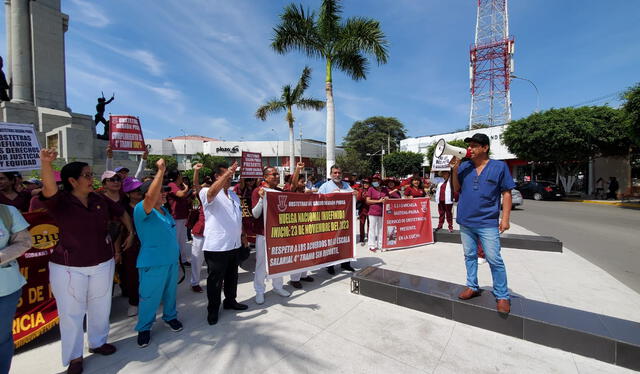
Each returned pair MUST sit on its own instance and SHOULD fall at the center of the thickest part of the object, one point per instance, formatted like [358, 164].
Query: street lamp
[277, 147]
[381, 151]
[535, 87]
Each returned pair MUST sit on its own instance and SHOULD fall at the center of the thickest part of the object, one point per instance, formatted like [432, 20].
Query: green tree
[207, 160]
[351, 162]
[170, 161]
[631, 108]
[373, 134]
[288, 99]
[568, 138]
[339, 44]
[401, 164]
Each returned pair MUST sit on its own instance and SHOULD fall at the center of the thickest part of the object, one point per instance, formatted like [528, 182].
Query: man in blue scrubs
[481, 182]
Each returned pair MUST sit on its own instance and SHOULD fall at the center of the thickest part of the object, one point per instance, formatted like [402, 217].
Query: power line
[601, 98]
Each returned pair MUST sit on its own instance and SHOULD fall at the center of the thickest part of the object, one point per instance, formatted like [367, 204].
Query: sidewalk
[324, 328]
[635, 203]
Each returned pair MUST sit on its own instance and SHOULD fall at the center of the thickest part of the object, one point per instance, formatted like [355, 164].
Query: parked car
[516, 199]
[539, 190]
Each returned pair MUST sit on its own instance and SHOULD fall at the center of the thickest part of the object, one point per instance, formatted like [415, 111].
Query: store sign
[235, 149]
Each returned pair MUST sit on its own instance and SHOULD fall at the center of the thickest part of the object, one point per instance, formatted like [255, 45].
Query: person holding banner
[81, 266]
[15, 240]
[481, 182]
[393, 191]
[158, 258]
[123, 171]
[336, 184]
[271, 177]
[444, 197]
[298, 185]
[376, 196]
[223, 238]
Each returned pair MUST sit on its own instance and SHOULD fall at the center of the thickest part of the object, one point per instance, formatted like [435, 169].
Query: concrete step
[602, 337]
[530, 242]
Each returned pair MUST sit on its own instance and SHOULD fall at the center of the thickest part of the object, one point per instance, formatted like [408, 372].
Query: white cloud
[90, 14]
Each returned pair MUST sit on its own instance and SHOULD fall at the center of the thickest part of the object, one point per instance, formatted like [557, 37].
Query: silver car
[516, 198]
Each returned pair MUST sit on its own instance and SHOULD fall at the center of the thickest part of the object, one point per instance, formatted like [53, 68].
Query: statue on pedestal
[99, 117]
[4, 86]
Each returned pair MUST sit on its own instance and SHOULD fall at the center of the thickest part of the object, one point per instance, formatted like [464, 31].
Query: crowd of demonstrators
[123, 171]
[445, 199]
[376, 196]
[223, 238]
[298, 185]
[333, 185]
[15, 240]
[13, 193]
[81, 267]
[271, 177]
[157, 260]
[179, 199]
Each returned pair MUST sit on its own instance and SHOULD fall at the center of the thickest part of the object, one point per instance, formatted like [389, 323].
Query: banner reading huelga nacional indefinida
[307, 231]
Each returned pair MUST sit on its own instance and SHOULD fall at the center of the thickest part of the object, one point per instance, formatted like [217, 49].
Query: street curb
[627, 205]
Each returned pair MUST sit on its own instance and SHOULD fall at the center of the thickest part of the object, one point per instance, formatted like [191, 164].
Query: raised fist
[48, 155]
[197, 166]
[300, 165]
[161, 165]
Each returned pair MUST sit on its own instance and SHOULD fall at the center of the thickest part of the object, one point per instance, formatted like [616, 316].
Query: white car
[516, 198]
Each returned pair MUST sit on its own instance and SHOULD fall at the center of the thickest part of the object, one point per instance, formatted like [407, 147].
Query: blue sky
[206, 65]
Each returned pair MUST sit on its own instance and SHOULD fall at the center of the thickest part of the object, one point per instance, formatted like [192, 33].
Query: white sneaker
[282, 292]
[132, 311]
[481, 261]
[259, 298]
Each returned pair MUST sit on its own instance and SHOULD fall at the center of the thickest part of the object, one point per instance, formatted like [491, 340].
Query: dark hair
[419, 180]
[335, 167]
[11, 176]
[173, 175]
[71, 170]
[265, 171]
[218, 166]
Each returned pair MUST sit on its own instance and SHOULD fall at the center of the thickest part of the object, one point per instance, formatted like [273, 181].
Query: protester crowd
[138, 228]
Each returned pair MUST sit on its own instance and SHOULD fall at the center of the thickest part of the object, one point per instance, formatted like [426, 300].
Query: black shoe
[307, 279]
[143, 338]
[347, 266]
[174, 325]
[296, 284]
[234, 305]
[331, 270]
[212, 319]
[186, 264]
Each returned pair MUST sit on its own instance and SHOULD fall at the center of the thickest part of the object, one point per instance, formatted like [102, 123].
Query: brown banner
[308, 231]
[36, 311]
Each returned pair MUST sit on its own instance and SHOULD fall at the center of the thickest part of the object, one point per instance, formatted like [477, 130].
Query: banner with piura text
[307, 231]
[36, 312]
[406, 223]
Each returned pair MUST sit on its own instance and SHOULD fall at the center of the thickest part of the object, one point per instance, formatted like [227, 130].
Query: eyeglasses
[114, 179]
[87, 175]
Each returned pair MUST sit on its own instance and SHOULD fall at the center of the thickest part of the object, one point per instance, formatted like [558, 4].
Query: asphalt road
[607, 236]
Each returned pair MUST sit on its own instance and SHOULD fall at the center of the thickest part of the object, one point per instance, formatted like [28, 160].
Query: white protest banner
[441, 163]
[19, 147]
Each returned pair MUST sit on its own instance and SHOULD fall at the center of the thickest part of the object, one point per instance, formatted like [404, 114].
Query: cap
[121, 168]
[376, 176]
[366, 180]
[130, 184]
[144, 187]
[478, 138]
[107, 174]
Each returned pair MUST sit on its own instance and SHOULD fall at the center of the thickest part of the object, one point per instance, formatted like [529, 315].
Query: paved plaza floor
[326, 329]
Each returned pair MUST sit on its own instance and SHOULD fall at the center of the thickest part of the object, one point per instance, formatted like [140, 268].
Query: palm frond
[310, 104]
[364, 35]
[353, 64]
[273, 106]
[296, 31]
[286, 95]
[303, 84]
[329, 20]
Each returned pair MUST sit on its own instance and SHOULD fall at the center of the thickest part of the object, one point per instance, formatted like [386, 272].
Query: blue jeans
[489, 237]
[8, 306]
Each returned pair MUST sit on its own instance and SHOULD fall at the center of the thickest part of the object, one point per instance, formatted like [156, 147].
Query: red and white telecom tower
[491, 65]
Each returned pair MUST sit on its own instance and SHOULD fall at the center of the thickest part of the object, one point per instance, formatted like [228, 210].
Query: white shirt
[447, 192]
[331, 186]
[222, 221]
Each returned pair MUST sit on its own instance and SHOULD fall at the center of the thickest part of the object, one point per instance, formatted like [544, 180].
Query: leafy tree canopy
[351, 162]
[400, 164]
[170, 161]
[631, 108]
[370, 135]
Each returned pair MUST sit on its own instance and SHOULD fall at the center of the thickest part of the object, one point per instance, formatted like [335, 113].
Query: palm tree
[340, 44]
[287, 100]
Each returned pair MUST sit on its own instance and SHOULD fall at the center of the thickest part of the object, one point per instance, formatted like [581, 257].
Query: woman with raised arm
[158, 257]
[82, 263]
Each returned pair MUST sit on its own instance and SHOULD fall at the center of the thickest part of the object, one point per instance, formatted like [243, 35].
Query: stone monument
[35, 70]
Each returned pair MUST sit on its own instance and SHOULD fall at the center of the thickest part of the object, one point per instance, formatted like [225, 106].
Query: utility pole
[382, 164]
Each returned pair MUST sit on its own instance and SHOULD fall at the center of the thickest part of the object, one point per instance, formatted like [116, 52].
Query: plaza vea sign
[234, 149]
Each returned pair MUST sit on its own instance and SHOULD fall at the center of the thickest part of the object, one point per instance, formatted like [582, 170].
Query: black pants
[223, 268]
